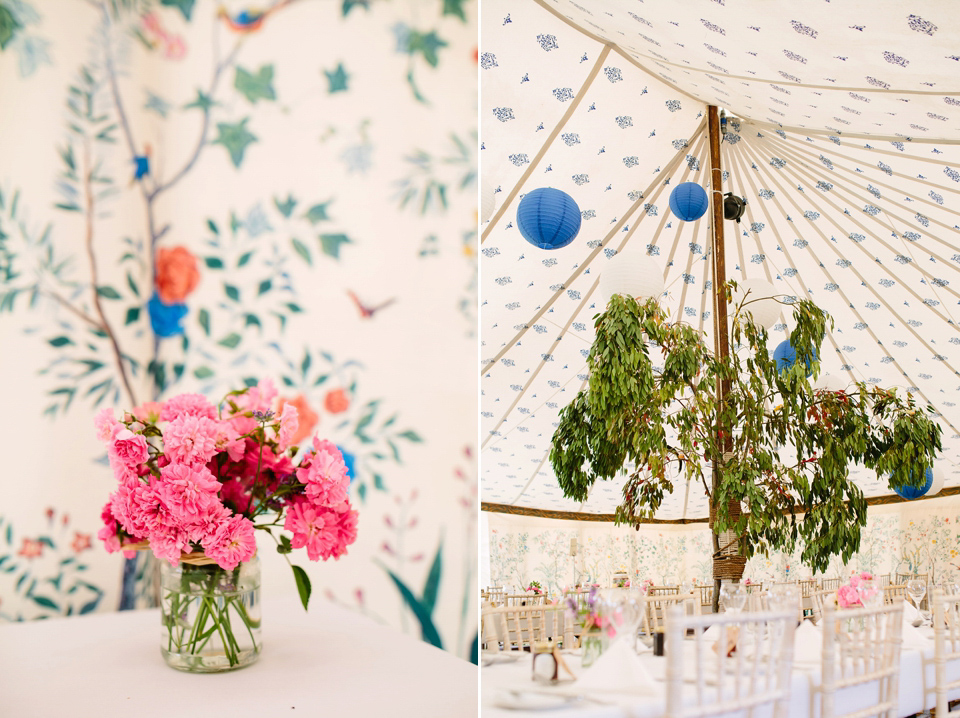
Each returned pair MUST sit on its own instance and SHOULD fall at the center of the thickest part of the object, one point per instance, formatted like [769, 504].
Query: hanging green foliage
[784, 448]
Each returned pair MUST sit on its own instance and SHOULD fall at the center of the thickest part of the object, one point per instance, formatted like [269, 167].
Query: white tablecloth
[497, 680]
[325, 662]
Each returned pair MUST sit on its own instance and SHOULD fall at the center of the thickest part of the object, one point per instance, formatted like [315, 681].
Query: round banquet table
[326, 662]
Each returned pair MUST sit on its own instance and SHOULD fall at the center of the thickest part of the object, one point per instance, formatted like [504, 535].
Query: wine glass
[917, 588]
[733, 596]
[623, 609]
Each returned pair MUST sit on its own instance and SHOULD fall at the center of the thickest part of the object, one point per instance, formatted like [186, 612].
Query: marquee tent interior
[842, 127]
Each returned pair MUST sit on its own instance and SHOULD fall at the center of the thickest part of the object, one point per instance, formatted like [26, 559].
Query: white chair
[655, 609]
[817, 600]
[946, 648]
[508, 628]
[755, 675]
[861, 646]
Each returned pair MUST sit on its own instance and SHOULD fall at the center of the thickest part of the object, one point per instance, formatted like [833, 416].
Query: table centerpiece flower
[196, 480]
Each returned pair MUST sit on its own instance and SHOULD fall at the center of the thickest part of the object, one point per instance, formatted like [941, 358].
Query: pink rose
[866, 575]
[129, 449]
[306, 418]
[854, 580]
[106, 425]
[848, 596]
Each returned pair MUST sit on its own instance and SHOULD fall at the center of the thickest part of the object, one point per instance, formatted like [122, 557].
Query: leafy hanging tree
[782, 447]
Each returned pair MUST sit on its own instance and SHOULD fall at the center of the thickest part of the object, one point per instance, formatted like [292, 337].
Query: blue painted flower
[351, 461]
[166, 318]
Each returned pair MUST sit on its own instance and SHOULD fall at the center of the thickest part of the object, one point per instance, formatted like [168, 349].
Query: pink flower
[257, 398]
[106, 425]
[189, 405]
[187, 490]
[325, 475]
[848, 596]
[227, 439]
[323, 532]
[128, 449]
[289, 423]
[306, 418]
[108, 534]
[148, 412]
[190, 439]
[232, 543]
[854, 581]
[175, 48]
[866, 575]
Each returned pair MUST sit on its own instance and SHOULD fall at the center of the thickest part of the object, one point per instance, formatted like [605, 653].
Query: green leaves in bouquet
[303, 584]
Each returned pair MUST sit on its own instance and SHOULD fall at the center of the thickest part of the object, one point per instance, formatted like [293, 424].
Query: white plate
[532, 700]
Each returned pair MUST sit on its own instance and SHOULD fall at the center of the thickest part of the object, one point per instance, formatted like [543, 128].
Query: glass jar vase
[210, 616]
[593, 643]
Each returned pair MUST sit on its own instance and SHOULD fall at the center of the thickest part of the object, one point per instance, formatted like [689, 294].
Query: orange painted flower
[31, 548]
[177, 274]
[80, 541]
[336, 401]
[307, 418]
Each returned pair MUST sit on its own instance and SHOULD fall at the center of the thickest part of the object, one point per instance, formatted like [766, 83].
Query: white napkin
[913, 637]
[617, 670]
[910, 613]
[808, 644]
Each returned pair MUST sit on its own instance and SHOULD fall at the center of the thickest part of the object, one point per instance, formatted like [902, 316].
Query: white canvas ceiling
[843, 132]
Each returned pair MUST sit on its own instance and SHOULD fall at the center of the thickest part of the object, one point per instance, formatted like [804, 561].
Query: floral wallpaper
[196, 196]
[910, 537]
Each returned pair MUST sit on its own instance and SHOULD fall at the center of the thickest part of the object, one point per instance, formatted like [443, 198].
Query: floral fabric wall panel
[917, 537]
[195, 196]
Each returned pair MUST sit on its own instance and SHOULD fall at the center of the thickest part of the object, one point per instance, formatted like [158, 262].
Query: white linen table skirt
[916, 692]
[326, 662]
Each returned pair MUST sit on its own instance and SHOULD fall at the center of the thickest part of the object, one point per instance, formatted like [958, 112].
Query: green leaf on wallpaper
[133, 285]
[348, 5]
[378, 483]
[236, 138]
[454, 7]
[475, 649]
[230, 341]
[203, 372]
[302, 250]
[305, 364]
[318, 213]
[427, 628]
[45, 602]
[255, 86]
[108, 292]
[336, 79]
[244, 258]
[426, 44]
[252, 319]
[67, 207]
[264, 287]
[213, 262]
[295, 308]
[231, 291]
[203, 317]
[202, 103]
[411, 435]
[184, 6]
[432, 585]
[362, 492]
[60, 341]
[286, 207]
[9, 26]
[133, 314]
[213, 226]
[416, 95]
[330, 243]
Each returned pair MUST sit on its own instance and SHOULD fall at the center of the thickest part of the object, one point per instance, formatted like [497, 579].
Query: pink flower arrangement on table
[646, 584]
[853, 593]
[198, 478]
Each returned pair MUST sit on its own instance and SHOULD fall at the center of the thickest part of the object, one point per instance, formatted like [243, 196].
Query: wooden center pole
[721, 338]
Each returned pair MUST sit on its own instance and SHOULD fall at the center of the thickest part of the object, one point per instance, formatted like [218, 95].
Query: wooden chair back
[515, 628]
[755, 676]
[807, 588]
[893, 594]
[866, 651]
[656, 607]
[818, 599]
[830, 584]
[524, 599]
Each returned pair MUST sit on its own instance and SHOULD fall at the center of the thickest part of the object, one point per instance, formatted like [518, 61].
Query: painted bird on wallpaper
[141, 164]
[367, 312]
[249, 20]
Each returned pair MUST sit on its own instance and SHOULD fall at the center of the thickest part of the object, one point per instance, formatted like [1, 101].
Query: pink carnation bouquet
[858, 591]
[196, 480]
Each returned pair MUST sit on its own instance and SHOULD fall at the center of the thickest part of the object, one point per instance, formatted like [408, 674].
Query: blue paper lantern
[910, 492]
[548, 218]
[688, 201]
[786, 357]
